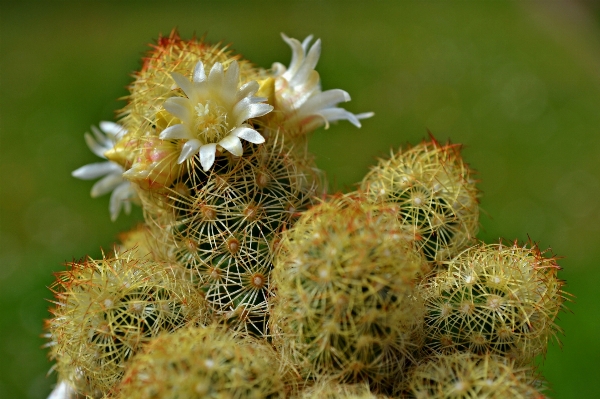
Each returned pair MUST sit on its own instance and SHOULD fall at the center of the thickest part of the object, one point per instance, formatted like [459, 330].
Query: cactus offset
[466, 375]
[495, 298]
[204, 362]
[107, 309]
[436, 194]
[344, 282]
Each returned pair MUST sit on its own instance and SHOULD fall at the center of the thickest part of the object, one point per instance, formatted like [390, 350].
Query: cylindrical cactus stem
[495, 298]
[107, 309]
[223, 225]
[467, 375]
[205, 362]
[436, 193]
[344, 306]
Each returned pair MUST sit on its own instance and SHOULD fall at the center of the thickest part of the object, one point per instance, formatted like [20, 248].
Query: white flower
[62, 390]
[298, 90]
[122, 190]
[214, 113]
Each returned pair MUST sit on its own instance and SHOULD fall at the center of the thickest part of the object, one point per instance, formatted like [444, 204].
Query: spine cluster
[247, 280]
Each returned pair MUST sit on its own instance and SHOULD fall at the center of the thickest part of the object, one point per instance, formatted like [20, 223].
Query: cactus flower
[215, 112]
[103, 141]
[298, 90]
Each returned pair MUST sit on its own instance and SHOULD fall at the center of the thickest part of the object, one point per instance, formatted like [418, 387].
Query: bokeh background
[518, 83]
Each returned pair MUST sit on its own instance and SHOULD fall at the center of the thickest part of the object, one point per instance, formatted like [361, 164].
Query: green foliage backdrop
[517, 83]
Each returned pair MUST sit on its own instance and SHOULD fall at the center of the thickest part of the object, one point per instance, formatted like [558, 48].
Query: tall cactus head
[496, 298]
[204, 362]
[107, 309]
[466, 375]
[436, 194]
[223, 225]
[344, 304]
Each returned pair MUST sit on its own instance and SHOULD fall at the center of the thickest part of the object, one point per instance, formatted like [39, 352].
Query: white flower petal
[215, 76]
[95, 170]
[306, 43]
[336, 114]
[180, 107]
[179, 131]
[232, 144]
[183, 83]
[119, 197]
[188, 150]
[308, 64]
[248, 90]
[62, 391]
[199, 74]
[207, 155]
[106, 184]
[297, 56]
[99, 136]
[298, 93]
[365, 115]
[248, 134]
[278, 69]
[114, 129]
[245, 110]
[326, 99]
[94, 145]
[232, 75]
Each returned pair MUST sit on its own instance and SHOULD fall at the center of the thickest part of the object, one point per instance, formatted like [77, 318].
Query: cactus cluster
[247, 279]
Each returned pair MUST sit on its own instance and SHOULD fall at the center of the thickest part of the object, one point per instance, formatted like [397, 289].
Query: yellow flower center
[211, 123]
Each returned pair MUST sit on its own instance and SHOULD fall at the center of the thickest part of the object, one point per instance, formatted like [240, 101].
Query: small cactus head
[436, 194]
[494, 298]
[107, 309]
[344, 304]
[466, 375]
[204, 362]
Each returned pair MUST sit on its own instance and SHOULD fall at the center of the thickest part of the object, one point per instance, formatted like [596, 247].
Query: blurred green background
[518, 83]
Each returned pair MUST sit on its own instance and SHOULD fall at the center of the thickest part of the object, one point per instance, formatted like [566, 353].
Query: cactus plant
[204, 362]
[333, 390]
[223, 224]
[436, 194]
[495, 298]
[466, 375]
[332, 292]
[344, 305]
[107, 309]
